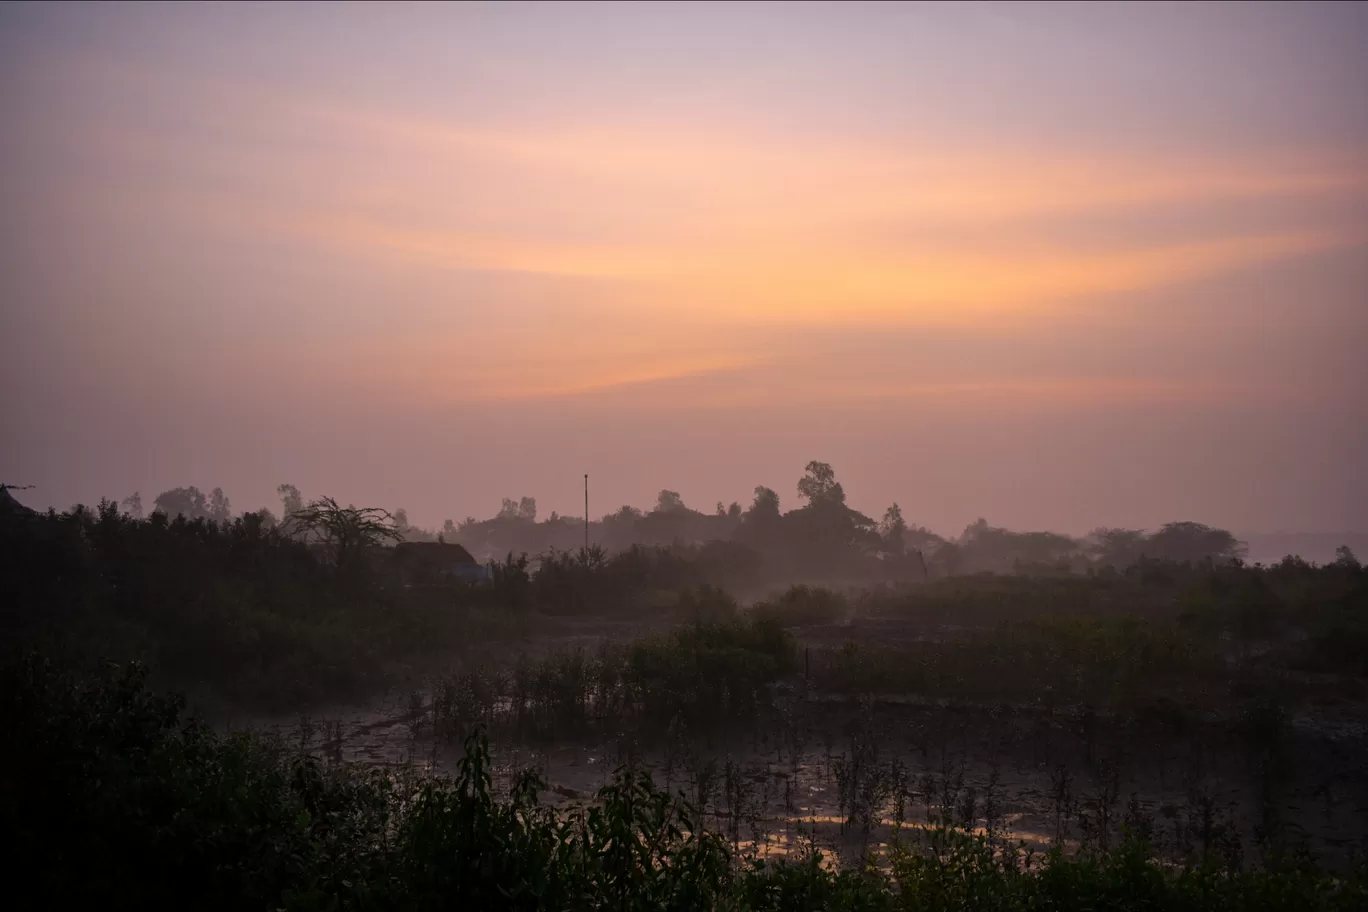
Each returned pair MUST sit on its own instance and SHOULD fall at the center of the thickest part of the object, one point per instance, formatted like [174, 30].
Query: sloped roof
[442, 552]
[9, 505]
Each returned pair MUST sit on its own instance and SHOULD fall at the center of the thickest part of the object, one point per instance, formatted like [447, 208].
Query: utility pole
[586, 516]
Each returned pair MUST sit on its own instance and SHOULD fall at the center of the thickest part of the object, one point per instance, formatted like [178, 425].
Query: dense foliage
[235, 609]
[259, 613]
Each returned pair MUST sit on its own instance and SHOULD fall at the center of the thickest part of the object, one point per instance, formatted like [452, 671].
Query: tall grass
[703, 675]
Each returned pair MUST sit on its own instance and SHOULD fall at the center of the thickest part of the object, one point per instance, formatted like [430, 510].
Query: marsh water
[845, 774]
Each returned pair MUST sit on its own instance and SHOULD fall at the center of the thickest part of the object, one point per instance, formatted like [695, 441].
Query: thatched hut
[425, 563]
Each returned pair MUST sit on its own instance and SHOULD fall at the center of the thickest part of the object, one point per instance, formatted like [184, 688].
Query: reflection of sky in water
[1025, 812]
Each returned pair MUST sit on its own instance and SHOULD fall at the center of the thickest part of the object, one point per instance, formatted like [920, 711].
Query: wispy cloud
[701, 244]
[733, 225]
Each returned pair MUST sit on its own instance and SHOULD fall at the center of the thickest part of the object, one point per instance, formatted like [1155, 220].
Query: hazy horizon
[1057, 266]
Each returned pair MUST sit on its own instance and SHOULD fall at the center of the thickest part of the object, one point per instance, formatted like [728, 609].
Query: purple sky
[1058, 266]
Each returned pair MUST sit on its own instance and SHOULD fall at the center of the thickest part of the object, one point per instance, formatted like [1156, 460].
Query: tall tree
[819, 485]
[892, 530]
[132, 505]
[1193, 541]
[1118, 547]
[669, 502]
[218, 509]
[188, 502]
[290, 500]
[765, 505]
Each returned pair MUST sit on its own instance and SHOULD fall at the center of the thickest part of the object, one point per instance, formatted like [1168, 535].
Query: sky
[1059, 266]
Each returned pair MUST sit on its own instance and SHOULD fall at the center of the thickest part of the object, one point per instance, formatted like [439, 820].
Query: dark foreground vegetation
[116, 801]
[1140, 660]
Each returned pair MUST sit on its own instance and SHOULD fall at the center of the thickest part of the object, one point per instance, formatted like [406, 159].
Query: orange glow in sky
[690, 211]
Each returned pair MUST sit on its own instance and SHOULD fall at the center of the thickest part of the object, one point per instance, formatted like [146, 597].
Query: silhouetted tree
[765, 505]
[132, 505]
[344, 533]
[188, 502]
[892, 530]
[619, 527]
[994, 549]
[820, 485]
[524, 509]
[1193, 541]
[218, 509]
[290, 500]
[1118, 547]
[669, 501]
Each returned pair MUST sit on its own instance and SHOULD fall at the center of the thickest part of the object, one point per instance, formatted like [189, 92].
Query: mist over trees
[313, 609]
[820, 538]
[189, 502]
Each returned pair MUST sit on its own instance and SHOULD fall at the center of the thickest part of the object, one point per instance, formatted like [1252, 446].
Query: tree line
[821, 537]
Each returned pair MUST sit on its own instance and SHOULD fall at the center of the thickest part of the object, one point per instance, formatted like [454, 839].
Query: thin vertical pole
[586, 515]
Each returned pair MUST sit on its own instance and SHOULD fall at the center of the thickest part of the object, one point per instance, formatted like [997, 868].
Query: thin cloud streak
[447, 221]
